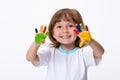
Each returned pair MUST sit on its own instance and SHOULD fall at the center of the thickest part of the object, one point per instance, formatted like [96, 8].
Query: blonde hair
[67, 15]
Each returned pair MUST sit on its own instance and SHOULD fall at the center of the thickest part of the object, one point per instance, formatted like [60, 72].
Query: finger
[44, 29]
[78, 28]
[43, 42]
[36, 31]
[40, 30]
[81, 44]
[46, 33]
[82, 27]
[76, 32]
[86, 28]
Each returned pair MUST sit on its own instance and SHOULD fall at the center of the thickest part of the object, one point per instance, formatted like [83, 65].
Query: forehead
[65, 17]
[64, 22]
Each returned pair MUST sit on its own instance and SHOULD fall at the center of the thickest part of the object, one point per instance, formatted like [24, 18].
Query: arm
[98, 50]
[32, 52]
[84, 34]
[39, 39]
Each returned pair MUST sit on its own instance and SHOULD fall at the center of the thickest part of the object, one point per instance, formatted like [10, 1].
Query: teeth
[65, 37]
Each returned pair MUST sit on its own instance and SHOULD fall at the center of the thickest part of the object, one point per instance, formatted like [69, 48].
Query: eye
[58, 26]
[71, 25]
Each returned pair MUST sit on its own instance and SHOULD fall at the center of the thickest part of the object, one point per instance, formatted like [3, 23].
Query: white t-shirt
[66, 65]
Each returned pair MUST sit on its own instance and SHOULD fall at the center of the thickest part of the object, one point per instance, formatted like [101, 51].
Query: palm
[41, 35]
[83, 34]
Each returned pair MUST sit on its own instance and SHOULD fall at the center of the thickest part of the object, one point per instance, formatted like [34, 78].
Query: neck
[67, 47]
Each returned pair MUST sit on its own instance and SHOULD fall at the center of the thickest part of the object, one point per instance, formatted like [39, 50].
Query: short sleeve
[89, 58]
[44, 56]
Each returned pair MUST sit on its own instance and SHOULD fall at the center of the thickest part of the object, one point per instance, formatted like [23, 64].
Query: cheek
[55, 34]
[75, 36]
[74, 33]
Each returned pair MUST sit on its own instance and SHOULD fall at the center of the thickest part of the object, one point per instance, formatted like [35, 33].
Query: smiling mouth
[65, 37]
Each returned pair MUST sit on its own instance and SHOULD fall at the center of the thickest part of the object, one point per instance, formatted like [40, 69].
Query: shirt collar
[67, 51]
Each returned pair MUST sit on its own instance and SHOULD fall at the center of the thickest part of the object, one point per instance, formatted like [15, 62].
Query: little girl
[64, 58]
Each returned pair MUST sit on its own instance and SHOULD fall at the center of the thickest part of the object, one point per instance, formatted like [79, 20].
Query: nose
[65, 29]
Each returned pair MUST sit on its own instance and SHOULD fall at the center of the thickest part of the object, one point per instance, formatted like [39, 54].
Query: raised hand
[83, 33]
[41, 35]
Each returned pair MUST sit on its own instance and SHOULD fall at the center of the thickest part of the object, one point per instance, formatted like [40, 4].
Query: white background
[18, 18]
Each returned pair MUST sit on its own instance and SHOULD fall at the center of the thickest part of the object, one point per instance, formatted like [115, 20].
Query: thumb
[81, 43]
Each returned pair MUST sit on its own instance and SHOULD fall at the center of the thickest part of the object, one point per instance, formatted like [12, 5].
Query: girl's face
[63, 32]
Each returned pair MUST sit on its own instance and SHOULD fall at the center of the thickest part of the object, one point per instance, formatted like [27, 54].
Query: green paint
[40, 37]
[82, 27]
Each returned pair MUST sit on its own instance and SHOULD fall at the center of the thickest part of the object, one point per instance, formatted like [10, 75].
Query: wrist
[36, 44]
[91, 41]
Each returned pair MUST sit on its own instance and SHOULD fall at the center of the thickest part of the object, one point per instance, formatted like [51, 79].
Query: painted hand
[41, 35]
[83, 33]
